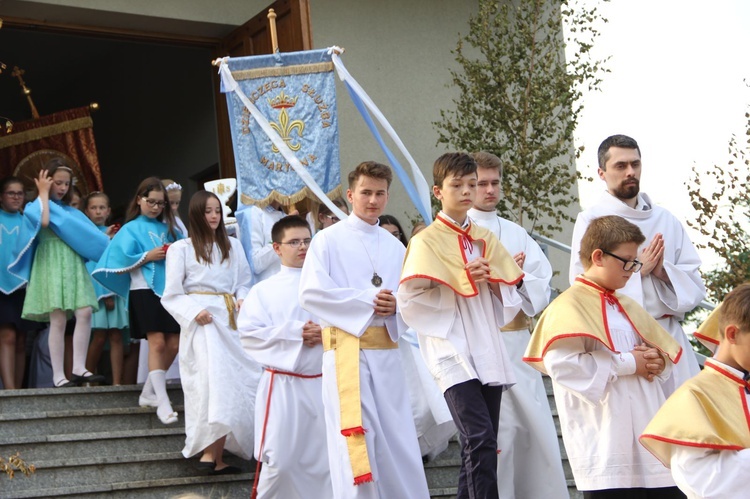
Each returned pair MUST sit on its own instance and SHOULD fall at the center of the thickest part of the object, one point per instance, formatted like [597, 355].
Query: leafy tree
[519, 99]
[720, 197]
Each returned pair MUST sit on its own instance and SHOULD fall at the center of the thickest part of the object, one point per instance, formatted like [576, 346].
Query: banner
[295, 93]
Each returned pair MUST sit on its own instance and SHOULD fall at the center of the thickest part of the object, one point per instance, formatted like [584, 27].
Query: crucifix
[18, 73]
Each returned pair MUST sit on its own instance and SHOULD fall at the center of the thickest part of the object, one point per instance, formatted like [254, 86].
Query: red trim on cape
[705, 338]
[691, 444]
[563, 336]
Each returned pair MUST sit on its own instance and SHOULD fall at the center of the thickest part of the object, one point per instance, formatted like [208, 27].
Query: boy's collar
[464, 226]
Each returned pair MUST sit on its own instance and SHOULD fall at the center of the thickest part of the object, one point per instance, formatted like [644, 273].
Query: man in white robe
[669, 285]
[255, 234]
[527, 438]
[289, 423]
[347, 281]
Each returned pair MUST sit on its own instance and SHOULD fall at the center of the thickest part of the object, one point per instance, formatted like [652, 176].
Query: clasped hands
[649, 362]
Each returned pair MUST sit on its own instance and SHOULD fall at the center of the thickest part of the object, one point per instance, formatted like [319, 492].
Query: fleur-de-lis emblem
[285, 127]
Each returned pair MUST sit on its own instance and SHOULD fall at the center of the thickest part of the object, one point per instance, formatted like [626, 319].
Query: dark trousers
[638, 493]
[476, 409]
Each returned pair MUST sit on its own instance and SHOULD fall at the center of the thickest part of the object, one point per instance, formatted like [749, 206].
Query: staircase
[95, 442]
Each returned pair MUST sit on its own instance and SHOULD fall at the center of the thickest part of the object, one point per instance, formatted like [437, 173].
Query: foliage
[719, 195]
[520, 100]
[15, 463]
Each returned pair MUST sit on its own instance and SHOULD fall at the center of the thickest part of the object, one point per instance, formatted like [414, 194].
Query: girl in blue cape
[15, 230]
[59, 284]
[133, 267]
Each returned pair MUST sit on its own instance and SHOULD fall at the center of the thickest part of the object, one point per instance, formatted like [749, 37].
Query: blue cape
[69, 224]
[126, 252]
[16, 233]
[101, 291]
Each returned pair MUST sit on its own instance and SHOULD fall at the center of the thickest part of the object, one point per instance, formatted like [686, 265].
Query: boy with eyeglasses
[606, 356]
[278, 334]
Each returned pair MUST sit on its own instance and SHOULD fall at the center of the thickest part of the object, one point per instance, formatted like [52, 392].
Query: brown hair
[134, 209]
[58, 164]
[453, 164]
[606, 234]
[735, 309]
[289, 222]
[92, 195]
[370, 169]
[201, 235]
[322, 209]
[488, 160]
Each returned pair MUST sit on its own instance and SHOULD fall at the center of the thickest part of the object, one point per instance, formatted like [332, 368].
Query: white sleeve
[535, 290]
[709, 473]
[244, 277]
[579, 229]
[584, 374]
[262, 252]
[174, 299]
[427, 307]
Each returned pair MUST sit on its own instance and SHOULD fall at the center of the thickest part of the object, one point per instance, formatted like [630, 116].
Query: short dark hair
[6, 181]
[735, 309]
[454, 164]
[606, 234]
[622, 141]
[391, 220]
[488, 160]
[289, 222]
[371, 169]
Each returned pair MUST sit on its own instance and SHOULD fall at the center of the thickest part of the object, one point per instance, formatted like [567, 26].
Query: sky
[676, 85]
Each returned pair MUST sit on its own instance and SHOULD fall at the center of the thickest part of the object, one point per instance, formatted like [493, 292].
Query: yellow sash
[437, 253]
[347, 347]
[520, 321]
[708, 411]
[580, 311]
[228, 301]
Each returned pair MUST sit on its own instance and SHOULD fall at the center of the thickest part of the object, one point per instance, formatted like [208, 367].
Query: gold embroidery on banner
[45, 131]
[285, 127]
[249, 74]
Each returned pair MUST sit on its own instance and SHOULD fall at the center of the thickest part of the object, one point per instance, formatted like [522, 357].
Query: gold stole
[347, 347]
[708, 411]
[437, 254]
[581, 311]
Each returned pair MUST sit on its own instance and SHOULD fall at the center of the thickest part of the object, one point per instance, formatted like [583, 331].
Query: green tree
[720, 197]
[519, 99]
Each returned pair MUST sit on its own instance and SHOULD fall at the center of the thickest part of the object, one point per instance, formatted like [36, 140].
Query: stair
[95, 442]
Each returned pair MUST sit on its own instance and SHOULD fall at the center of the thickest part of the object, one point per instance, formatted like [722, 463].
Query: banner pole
[272, 27]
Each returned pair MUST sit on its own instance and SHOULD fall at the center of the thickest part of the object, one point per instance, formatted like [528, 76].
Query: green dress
[59, 280]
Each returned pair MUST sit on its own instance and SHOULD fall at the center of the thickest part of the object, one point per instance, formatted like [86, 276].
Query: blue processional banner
[296, 93]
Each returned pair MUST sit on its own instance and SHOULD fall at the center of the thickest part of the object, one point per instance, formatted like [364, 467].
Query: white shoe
[145, 401]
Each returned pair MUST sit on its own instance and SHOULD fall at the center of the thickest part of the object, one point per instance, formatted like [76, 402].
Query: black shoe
[229, 470]
[205, 466]
[67, 384]
[88, 377]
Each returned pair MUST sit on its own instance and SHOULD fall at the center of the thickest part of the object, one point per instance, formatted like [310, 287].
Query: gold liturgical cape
[581, 311]
[708, 411]
[708, 332]
[438, 255]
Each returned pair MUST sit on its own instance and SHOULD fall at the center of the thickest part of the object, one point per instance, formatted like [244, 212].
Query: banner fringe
[285, 200]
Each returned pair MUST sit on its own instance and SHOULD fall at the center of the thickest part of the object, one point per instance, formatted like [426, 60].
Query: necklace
[376, 279]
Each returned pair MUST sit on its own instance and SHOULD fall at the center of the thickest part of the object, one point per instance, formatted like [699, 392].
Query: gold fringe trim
[250, 74]
[15, 139]
[295, 198]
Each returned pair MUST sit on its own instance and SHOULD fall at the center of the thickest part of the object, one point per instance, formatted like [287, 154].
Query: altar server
[289, 421]
[669, 285]
[527, 438]
[347, 281]
[703, 430]
[606, 356]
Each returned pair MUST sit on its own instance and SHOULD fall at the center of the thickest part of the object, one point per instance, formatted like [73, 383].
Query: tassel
[367, 477]
[357, 430]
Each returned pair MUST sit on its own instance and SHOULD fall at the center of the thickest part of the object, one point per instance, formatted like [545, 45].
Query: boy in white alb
[607, 357]
[457, 289]
[347, 281]
[278, 334]
[527, 438]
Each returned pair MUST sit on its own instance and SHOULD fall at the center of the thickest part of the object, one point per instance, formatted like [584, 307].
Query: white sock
[56, 340]
[159, 381]
[81, 337]
[148, 388]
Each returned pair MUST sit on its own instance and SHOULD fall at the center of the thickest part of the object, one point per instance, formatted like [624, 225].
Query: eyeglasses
[154, 202]
[396, 234]
[627, 265]
[332, 218]
[296, 243]
[14, 194]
